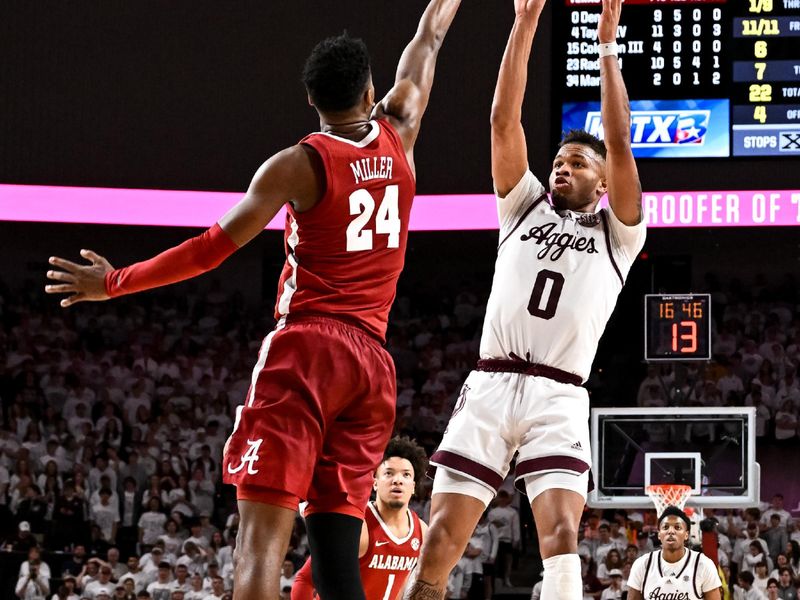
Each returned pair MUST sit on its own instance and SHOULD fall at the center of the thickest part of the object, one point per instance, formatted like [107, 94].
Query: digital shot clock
[677, 327]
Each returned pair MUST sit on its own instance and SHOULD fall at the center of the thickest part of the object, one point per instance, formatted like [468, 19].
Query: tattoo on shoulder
[422, 590]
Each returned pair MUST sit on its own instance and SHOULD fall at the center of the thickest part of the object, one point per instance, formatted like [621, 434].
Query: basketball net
[673, 494]
[670, 494]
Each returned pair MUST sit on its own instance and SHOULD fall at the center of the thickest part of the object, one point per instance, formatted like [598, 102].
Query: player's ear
[369, 95]
[602, 188]
[310, 101]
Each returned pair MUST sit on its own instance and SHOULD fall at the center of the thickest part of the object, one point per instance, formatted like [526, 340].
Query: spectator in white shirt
[151, 523]
[181, 581]
[745, 589]
[506, 519]
[604, 544]
[172, 540]
[218, 589]
[136, 574]
[105, 515]
[161, 588]
[34, 558]
[786, 423]
[776, 508]
[196, 592]
[34, 585]
[102, 583]
[614, 590]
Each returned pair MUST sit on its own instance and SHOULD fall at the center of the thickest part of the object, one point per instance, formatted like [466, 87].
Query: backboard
[710, 449]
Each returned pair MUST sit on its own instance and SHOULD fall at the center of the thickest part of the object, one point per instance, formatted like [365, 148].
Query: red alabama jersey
[344, 256]
[386, 565]
[389, 560]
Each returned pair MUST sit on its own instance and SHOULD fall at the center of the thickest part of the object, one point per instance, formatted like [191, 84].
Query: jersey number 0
[546, 293]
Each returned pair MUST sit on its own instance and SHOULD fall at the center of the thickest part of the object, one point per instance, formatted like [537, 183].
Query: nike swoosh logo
[381, 543]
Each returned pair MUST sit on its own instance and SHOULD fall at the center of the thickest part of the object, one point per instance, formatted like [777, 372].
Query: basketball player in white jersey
[560, 267]
[674, 571]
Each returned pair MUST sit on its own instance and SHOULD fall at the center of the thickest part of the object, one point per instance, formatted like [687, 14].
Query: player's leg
[270, 458]
[554, 462]
[454, 515]
[558, 514]
[471, 462]
[333, 539]
[261, 545]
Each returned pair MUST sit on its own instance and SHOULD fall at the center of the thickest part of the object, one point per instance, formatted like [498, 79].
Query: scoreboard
[706, 78]
[677, 327]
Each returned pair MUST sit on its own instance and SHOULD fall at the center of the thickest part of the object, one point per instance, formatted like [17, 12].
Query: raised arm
[290, 175]
[406, 102]
[624, 188]
[509, 152]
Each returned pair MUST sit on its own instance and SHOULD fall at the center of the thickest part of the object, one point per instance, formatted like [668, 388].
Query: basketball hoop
[669, 494]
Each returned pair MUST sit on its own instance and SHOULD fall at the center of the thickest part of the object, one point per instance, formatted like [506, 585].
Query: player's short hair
[583, 137]
[336, 73]
[674, 511]
[405, 447]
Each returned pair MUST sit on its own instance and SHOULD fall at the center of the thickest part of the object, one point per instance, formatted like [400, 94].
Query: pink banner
[111, 206]
[722, 209]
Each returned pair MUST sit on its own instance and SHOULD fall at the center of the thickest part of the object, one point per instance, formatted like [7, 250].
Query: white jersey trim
[648, 572]
[387, 531]
[262, 360]
[370, 137]
[290, 285]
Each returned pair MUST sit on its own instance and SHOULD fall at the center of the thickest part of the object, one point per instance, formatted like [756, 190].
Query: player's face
[577, 180]
[673, 533]
[394, 482]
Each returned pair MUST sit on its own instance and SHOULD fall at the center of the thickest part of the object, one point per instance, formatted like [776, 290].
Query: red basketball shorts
[317, 418]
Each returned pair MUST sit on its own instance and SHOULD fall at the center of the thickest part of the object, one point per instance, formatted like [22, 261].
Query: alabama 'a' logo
[249, 458]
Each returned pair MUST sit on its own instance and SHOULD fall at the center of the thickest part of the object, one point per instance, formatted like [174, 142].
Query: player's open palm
[609, 20]
[526, 8]
[82, 282]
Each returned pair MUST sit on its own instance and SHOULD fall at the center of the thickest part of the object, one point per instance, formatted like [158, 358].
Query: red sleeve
[303, 586]
[193, 257]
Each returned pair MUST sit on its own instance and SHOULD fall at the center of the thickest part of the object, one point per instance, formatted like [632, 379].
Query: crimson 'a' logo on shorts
[248, 458]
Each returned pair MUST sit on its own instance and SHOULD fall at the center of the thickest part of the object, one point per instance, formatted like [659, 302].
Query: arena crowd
[114, 416]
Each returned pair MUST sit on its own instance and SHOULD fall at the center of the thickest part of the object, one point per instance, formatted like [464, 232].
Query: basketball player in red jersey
[392, 534]
[320, 408]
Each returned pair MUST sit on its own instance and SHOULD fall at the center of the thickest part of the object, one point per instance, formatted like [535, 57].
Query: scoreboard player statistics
[705, 78]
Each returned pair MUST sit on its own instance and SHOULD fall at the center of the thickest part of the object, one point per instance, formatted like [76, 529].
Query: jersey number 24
[387, 219]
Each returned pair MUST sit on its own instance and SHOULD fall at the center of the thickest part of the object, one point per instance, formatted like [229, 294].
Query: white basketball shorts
[498, 414]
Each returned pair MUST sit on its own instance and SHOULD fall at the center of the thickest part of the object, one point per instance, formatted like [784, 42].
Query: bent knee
[561, 539]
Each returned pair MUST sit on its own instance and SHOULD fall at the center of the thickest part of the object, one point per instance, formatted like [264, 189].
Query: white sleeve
[636, 578]
[708, 575]
[517, 201]
[626, 239]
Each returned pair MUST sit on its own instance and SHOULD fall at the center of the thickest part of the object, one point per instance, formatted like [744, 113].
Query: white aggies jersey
[688, 579]
[556, 280]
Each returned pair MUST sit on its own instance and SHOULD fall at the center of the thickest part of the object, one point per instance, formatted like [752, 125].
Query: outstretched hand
[609, 20]
[83, 282]
[528, 7]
